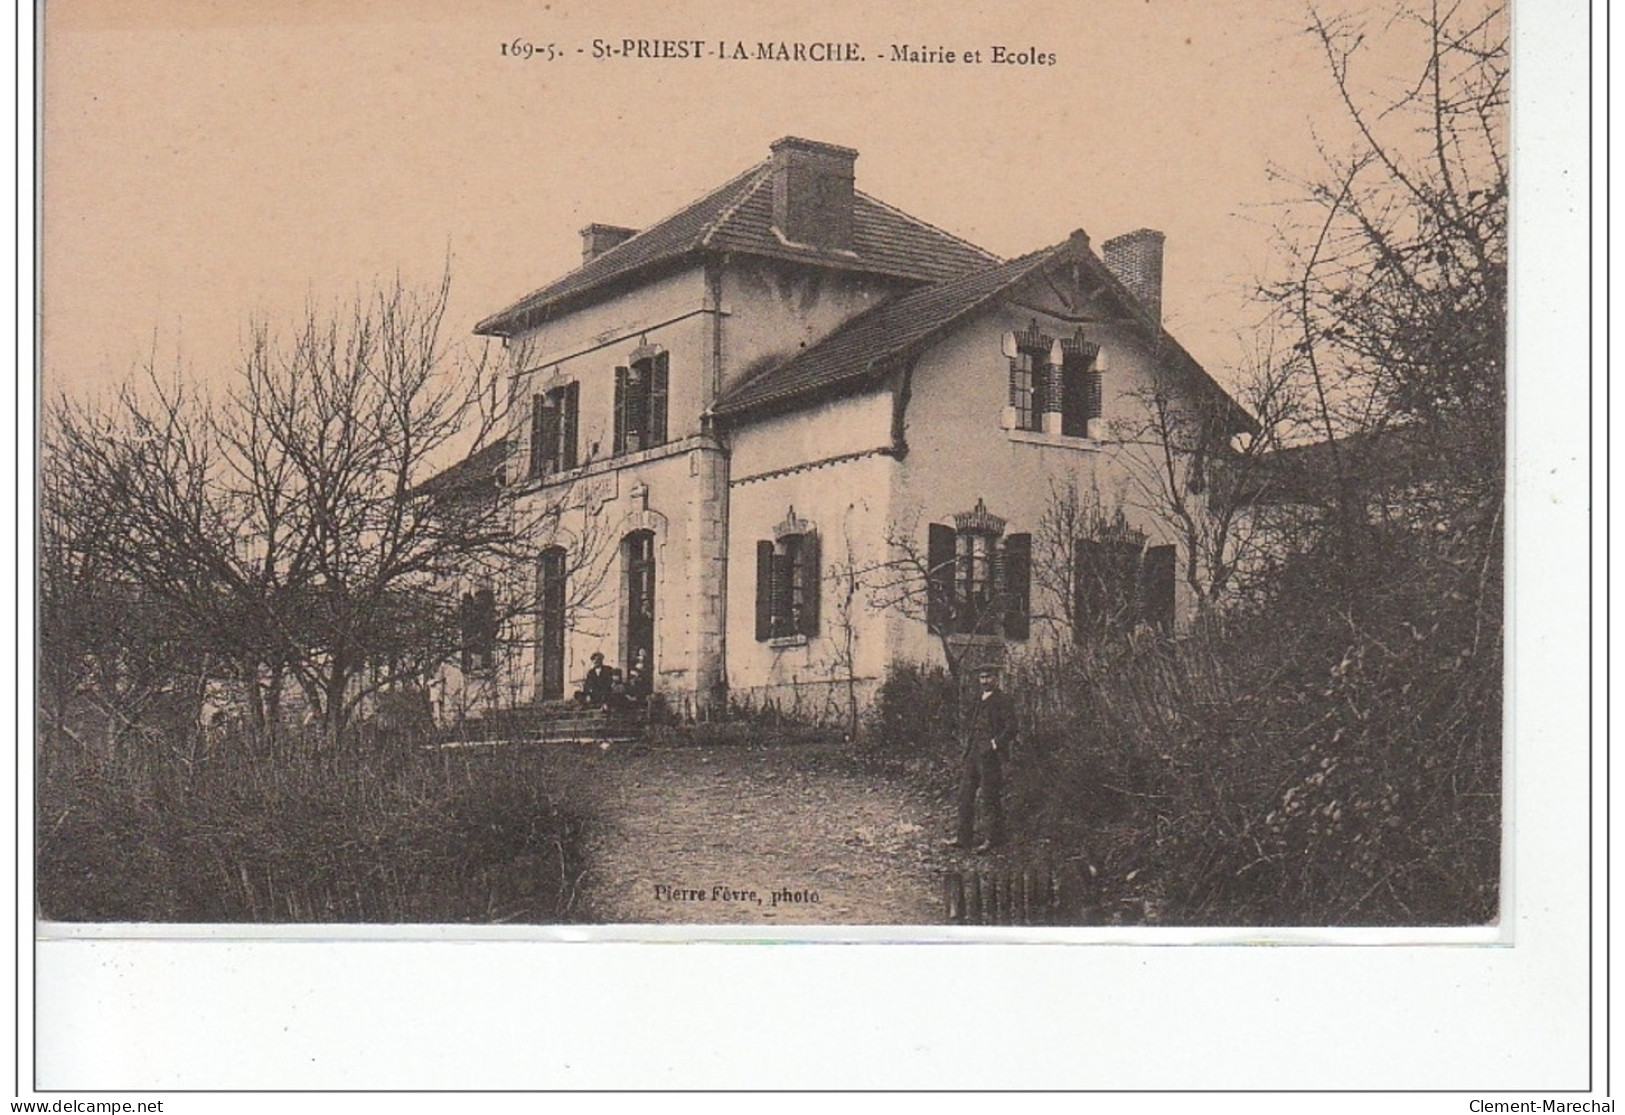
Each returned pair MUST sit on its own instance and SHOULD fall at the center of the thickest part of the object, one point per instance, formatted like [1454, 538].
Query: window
[479, 630]
[640, 402]
[1120, 583]
[980, 578]
[788, 578]
[1081, 385]
[553, 422]
[1029, 372]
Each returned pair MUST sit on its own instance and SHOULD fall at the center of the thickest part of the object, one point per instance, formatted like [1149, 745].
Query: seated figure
[598, 687]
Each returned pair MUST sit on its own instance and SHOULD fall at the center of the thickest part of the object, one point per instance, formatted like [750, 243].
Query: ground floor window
[478, 614]
[1119, 585]
[980, 577]
[788, 577]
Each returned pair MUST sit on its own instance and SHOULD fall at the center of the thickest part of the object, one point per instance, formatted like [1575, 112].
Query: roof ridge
[621, 248]
[763, 171]
[871, 199]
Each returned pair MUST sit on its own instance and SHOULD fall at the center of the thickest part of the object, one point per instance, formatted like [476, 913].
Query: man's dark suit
[990, 725]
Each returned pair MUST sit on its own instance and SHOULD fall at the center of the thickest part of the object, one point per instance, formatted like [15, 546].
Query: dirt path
[735, 835]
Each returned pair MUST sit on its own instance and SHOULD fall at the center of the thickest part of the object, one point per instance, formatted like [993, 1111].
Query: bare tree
[1396, 291]
[288, 529]
[1189, 468]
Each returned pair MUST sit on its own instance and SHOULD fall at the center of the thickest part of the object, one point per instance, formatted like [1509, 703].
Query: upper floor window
[788, 577]
[980, 577]
[1029, 375]
[640, 401]
[1081, 385]
[554, 418]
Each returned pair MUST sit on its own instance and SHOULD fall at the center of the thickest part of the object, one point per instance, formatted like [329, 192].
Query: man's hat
[988, 670]
[597, 656]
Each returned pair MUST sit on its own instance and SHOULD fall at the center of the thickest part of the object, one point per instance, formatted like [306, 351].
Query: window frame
[563, 403]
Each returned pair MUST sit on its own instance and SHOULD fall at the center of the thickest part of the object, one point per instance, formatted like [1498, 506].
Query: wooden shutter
[620, 410]
[811, 575]
[1017, 585]
[1157, 588]
[1094, 393]
[940, 566]
[764, 591]
[658, 390]
[570, 421]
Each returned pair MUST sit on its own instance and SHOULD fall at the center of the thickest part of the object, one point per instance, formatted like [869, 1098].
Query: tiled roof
[874, 341]
[738, 217]
[868, 343]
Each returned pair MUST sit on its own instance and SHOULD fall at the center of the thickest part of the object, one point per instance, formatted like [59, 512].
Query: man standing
[989, 727]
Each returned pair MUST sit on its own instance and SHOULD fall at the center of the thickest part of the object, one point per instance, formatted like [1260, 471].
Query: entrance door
[550, 613]
[638, 554]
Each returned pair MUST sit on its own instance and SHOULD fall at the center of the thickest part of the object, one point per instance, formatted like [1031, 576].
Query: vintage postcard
[706, 472]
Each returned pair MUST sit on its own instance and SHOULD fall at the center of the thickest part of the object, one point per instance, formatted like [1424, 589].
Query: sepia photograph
[540, 468]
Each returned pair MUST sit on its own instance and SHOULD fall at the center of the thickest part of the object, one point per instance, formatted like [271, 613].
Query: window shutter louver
[811, 575]
[940, 567]
[658, 386]
[620, 410]
[1157, 588]
[1017, 585]
[1094, 392]
[764, 591]
[571, 421]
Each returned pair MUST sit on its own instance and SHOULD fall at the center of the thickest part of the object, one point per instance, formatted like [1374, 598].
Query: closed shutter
[1094, 393]
[940, 566]
[658, 385]
[1157, 588]
[570, 421]
[811, 575]
[620, 411]
[764, 591]
[1017, 585]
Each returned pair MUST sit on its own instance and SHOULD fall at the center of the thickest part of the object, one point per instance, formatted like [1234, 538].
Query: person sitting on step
[598, 687]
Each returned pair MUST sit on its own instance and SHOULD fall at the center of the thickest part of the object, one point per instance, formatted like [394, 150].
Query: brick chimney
[1136, 259]
[812, 192]
[598, 239]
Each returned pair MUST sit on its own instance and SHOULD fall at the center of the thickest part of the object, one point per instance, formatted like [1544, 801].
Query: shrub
[362, 836]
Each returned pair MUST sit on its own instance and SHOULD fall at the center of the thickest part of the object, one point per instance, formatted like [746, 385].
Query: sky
[207, 162]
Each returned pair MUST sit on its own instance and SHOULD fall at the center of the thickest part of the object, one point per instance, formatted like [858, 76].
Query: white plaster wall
[959, 451]
[827, 429]
[775, 309]
[848, 503]
[587, 345]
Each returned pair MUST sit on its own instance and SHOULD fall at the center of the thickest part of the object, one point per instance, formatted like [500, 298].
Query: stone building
[789, 435]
